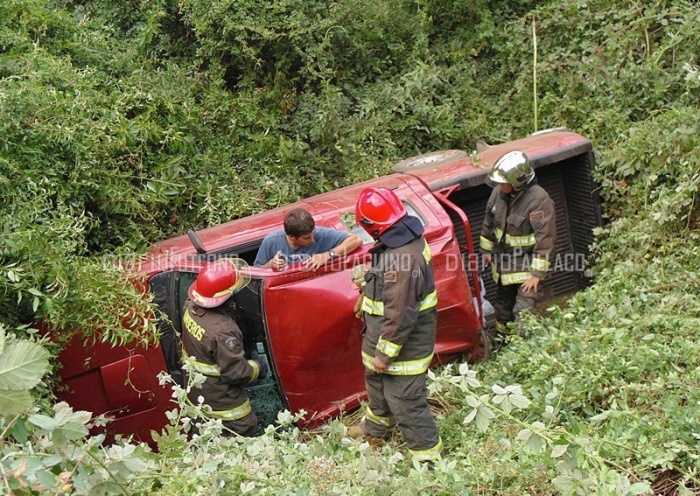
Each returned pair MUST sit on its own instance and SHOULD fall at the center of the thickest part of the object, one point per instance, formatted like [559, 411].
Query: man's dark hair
[298, 222]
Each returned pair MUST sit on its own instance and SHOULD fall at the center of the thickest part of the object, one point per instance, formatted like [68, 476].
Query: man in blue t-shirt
[302, 241]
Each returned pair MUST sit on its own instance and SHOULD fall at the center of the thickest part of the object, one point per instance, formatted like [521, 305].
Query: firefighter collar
[402, 232]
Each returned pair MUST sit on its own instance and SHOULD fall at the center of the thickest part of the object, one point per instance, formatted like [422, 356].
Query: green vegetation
[122, 123]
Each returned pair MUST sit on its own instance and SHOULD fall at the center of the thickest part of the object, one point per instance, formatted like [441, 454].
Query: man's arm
[264, 255]
[277, 262]
[348, 245]
[234, 366]
[269, 254]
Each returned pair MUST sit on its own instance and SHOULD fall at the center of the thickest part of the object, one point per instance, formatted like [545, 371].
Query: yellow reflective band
[540, 264]
[498, 233]
[234, 413]
[515, 278]
[372, 307]
[376, 419]
[256, 369]
[388, 348]
[508, 279]
[521, 241]
[517, 241]
[209, 369]
[432, 454]
[224, 292]
[196, 330]
[409, 367]
[485, 244]
[427, 254]
[429, 301]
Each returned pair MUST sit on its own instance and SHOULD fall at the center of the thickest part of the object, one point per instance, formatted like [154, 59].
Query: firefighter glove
[263, 367]
[358, 276]
[260, 369]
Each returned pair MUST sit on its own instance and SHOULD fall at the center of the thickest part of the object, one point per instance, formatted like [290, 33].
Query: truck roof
[463, 172]
[542, 148]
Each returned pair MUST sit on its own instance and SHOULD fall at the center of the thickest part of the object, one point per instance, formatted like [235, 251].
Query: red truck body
[303, 321]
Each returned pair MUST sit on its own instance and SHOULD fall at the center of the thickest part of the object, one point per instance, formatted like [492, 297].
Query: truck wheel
[431, 159]
[482, 351]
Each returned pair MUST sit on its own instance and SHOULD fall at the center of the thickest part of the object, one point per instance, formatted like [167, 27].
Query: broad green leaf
[46, 479]
[136, 464]
[535, 443]
[43, 422]
[468, 419]
[610, 312]
[566, 483]
[559, 450]
[639, 488]
[519, 401]
[65, 415]
[73, 430]
[52, 460]
[524, 435]
[472, 401]
[487, 412]
[14, 402]
[482, 421]
[498, 390]
[22, 365]
[600, 417]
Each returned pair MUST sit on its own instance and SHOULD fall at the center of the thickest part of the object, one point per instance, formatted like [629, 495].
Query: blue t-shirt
[324, 239]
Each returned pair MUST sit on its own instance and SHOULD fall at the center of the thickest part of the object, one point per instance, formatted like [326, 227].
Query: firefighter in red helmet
[213, 346]
[400, 312]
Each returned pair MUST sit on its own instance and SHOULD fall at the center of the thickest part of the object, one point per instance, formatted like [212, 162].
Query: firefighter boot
[356, 432]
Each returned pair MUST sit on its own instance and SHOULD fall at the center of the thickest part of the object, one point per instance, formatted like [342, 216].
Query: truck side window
[414, 212]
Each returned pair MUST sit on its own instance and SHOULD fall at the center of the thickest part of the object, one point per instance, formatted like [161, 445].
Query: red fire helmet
[216, 283]
[377, 210]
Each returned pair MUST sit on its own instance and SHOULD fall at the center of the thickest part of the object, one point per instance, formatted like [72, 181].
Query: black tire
[482, 351]
[431, 159]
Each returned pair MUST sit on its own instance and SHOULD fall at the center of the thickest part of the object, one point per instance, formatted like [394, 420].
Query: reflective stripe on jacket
[213, 346]
[520, 232]
[400, 308]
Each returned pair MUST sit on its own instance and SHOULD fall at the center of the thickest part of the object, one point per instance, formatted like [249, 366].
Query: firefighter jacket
[400, 307]
[213, 346]
[520, 231]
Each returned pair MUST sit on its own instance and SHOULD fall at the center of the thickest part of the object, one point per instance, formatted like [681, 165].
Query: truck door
[315, 338]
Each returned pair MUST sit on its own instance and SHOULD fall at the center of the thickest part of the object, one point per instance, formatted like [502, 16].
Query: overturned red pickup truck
[303, 321]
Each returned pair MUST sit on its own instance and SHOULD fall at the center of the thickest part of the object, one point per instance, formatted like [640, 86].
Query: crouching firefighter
[400, 312]
[213, 346]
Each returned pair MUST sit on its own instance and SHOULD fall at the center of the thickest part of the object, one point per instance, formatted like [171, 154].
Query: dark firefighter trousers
[511, 300]
[403, 400]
